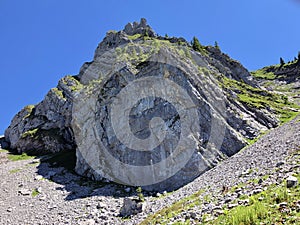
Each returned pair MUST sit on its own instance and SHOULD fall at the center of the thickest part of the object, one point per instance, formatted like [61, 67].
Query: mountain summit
[150, 111]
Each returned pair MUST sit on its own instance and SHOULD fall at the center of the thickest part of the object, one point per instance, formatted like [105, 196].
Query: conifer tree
[217, 45]
[281, 61]
[196, 44]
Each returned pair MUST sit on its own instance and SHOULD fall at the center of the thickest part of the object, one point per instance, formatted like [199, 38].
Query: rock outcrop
[179, 112]
[45, 127]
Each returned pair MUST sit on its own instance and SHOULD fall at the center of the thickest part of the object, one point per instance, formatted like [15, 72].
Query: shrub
[217, 45]
[140, 194]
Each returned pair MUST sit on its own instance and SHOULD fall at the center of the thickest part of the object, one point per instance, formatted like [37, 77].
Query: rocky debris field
[40, 191]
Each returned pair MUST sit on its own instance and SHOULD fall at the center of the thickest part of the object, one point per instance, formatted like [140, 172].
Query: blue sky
[43, 40]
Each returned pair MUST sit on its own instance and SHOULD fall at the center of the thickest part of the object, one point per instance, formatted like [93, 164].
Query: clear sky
[43, 40]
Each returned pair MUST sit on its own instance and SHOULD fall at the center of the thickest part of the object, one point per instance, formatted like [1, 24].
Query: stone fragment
[280, 163]
[256, 191]
[24, 191]
[291, 181]
[230, 206]
[131, 207]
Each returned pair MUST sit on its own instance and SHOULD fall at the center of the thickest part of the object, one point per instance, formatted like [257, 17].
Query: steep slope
[215, 95]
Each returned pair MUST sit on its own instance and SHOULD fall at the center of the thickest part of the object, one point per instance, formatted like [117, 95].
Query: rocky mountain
[160, 104]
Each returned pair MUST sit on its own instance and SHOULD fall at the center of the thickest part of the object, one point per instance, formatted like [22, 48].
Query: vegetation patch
[134, 37]
[263, 74]
[29, 109]
[35, 192]
[276, 205]
[30, 133]
[262, 99]
[15, 157]
[15, 171]
[165, 214]
[72, 83]
[58, 92]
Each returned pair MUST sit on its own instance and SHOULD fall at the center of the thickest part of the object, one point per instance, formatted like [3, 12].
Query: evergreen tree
[217, 45]
[281, 61]
[196, 44]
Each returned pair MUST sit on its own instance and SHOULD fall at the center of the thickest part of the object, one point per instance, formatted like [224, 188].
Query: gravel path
[36, 192]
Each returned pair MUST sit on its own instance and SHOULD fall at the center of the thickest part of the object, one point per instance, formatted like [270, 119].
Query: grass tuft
[35, 192]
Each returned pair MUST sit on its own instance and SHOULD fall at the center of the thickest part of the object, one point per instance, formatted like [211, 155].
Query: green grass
[267, 210]
[72, 83]
[29, 109]
[263, 208]
[246, 215]
[140, 194]
[134, 37]
[252, 141]
[241, 185]
[58, 93]
[257, 98]
[15, 171]
[29, 133]
[165, 214]
[263, 74]
[15, 157]
[35, 192]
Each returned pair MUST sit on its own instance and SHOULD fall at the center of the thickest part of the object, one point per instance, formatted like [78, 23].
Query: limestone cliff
[227, 107]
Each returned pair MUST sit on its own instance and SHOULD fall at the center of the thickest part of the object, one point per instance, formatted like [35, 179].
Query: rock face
[147, 111]
[139, 28]
[45, 127]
